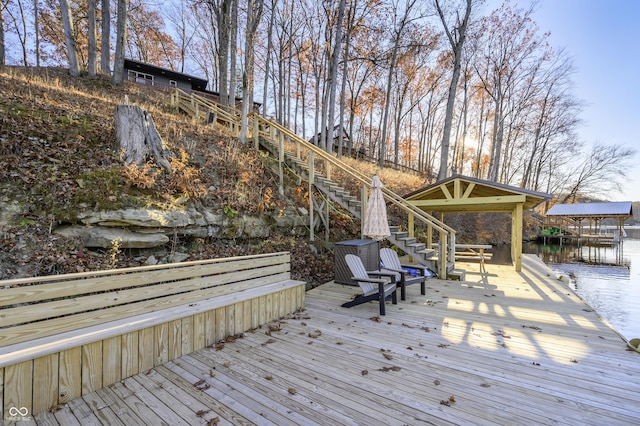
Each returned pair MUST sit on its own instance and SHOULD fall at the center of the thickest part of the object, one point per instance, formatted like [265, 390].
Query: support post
[256, 133]
[516, 237]
[280, 163]
[311, 183]
[364, 196]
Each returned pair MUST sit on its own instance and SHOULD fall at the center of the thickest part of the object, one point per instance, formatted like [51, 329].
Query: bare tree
[398, 33]
[67, 22]
[105, 40]
[3, 55]
[92, 58]
[121, 41]
[599, 172]
[254, 14]
[36, 30]
[456, 37]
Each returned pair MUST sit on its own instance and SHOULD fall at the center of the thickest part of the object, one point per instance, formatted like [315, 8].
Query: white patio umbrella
[376, 225]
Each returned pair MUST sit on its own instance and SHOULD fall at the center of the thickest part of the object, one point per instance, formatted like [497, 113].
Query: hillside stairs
[295, 154]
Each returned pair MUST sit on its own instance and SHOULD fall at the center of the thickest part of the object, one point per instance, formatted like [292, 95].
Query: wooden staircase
[303, 159]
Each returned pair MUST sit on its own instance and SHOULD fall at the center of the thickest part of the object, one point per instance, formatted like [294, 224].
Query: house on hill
[166, 79]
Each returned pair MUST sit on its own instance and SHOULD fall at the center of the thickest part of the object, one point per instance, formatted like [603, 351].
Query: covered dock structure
[464, 194]
[585, 221]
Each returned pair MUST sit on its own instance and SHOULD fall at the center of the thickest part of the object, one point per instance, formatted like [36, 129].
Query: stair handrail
[232, 116]
[365, 180]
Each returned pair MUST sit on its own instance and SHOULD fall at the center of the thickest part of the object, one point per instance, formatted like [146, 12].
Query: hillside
[59, 166]
[57, 160]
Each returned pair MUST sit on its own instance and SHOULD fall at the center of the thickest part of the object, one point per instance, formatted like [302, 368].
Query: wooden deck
[499, 348]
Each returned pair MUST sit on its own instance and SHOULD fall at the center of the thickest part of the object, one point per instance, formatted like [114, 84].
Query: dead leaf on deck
[292, 391]
[436, 382]
[574, 360]
[315, 334]
[407, 325]
[387, 356]
[274, 327]
[201, 413]
[269, 341]
[364, 372]
[485, 385]
[56, 408]
[452, 399]
[533, 327]
[268, 377]
[394, 368]
[409, 348]
[445, 402]
[213, 421]
[376, 319]
[211, 373]
[227, 364]
[442, 345]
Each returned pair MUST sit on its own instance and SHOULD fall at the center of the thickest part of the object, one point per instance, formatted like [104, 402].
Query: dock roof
[601, 210]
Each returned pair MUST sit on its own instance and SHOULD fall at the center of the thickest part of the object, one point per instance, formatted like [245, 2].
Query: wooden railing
[258, 127]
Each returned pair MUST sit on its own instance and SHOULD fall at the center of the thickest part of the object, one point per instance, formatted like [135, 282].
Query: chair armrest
[370, 280]
[379, 273]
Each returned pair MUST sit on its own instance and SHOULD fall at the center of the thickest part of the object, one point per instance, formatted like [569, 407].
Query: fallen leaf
[436, 382]
[376, 319]
[292, 391]
[227, 364]
[213, 421]
[452, 398]
[387, 356]
[268, 377]
[485, 385]
[364, 372]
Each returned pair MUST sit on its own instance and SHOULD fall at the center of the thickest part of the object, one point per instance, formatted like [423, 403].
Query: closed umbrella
[376, 225]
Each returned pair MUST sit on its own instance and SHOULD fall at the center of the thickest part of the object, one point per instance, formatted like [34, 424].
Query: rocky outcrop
[147, 228]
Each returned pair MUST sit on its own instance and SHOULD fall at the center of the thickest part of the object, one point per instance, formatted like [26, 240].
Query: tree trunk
[333, 78]
[138, 139]
[105, 33]
[456, 39]
[121, 41]
[91, 66]
[67, 22]
[3, 59]
[254, 14]
[36, 30]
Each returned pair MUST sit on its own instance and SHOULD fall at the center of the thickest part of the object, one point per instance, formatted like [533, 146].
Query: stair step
[416, 246]
[394, 229]
[400, 235]
[456, 274]
[427, 254]
[406, 240]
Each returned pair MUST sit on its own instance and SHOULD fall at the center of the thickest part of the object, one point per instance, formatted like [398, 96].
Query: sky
[603, 39]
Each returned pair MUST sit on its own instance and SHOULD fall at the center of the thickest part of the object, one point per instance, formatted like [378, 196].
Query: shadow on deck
[499, 348]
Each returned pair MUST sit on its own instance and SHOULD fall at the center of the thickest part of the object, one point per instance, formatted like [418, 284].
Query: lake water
[607, 278]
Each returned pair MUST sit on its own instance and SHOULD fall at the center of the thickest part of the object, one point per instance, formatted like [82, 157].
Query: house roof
[467, 194]
[196, 82]
[614, 209]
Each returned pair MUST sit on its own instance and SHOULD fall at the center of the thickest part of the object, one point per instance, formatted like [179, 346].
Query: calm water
[607, 278]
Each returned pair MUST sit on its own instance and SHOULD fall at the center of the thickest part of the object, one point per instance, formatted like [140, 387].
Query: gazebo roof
[600, 210]
[466, 194]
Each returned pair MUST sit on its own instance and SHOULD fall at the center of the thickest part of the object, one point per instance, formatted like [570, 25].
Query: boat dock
[500, 347]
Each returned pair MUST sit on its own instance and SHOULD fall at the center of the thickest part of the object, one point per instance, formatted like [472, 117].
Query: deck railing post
[281, 163]
[311, 183]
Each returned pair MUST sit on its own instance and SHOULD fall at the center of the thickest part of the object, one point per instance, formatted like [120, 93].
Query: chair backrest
[390, 260]
[358, 271]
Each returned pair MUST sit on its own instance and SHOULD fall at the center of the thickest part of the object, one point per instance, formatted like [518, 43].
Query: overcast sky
[603, 38]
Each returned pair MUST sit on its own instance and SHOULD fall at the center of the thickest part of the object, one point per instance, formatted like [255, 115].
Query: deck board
[507, 348]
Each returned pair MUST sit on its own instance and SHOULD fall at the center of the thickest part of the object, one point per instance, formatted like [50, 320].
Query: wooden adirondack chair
[372, 288]
[391, 262]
